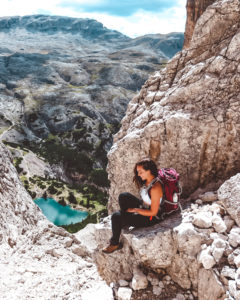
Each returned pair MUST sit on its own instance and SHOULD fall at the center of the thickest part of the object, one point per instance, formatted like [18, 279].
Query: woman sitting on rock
[131, 213]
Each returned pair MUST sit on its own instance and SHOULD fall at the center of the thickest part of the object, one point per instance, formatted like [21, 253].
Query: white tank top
[144, 193]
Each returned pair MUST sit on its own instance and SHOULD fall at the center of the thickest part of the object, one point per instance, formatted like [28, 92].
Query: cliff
[38, 259]
[195, 9]
[187, 115]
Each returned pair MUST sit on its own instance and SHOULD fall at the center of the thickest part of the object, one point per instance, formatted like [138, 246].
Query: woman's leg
[127, 200]
[137, 220]
[116, 227]
[121, 218]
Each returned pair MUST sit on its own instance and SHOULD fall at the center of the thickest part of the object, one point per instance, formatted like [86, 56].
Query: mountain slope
[65, 84]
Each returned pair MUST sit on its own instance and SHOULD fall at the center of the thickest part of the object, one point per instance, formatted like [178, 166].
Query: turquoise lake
[58, 214]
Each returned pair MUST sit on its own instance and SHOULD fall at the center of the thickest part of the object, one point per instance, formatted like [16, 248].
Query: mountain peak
[50, 24]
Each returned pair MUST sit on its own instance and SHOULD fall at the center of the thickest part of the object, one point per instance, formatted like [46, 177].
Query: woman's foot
[112, 248]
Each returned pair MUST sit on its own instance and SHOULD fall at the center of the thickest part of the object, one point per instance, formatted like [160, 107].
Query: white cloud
[26, 7]
[140, 23]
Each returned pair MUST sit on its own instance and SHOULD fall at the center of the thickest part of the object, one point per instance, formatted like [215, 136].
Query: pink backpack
[169, 178]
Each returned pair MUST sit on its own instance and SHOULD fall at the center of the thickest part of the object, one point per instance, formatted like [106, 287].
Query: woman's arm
[156, 195]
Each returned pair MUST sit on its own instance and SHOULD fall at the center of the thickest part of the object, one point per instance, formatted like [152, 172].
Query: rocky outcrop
[38, 259]
[187, 115]
[195, 8]
[229, 195]
[195, 250]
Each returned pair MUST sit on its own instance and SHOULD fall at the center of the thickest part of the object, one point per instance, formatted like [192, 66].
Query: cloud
[141, 21]
[118, 8]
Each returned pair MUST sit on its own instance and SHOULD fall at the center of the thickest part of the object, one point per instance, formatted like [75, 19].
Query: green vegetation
[54, 152]
[90, 196]
[99, 177]
[17, 161]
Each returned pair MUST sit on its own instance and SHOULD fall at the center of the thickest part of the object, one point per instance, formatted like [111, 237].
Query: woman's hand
[132, 210]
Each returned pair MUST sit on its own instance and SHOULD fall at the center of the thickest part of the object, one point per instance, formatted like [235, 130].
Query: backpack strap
[156, 179]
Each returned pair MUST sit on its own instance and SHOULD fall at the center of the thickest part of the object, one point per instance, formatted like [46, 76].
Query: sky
[131, 17]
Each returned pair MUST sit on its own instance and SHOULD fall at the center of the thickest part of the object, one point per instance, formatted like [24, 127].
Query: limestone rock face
[229, 195]
[187, 115]
[216, 290]
[195, 9]
[38, 259]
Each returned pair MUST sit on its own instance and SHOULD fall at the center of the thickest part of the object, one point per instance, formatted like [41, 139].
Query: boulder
[157, 290]
[209, 286]
[234, 237]
[218, 248]
[203, 219]
[218, 224]
[139, 280]
[124, 293]
[228, 272]
[208, 197]
[206, 258]
[234, 292]
[228, 194]
[188, 239]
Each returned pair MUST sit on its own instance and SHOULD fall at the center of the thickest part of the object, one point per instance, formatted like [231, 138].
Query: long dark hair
[147, 164]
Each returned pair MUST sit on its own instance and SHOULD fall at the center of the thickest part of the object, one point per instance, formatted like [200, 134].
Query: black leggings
[122, 218]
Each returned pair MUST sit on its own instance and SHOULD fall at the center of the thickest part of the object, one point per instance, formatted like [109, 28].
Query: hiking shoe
[112, 248]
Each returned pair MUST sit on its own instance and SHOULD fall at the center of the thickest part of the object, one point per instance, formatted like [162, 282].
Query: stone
[231, 257]
[123, 283]
[181, 268]
[161, 284]
[234, 292]
[157, 290]
[167, 278]
[180, 297]
[208, 197]
[188, 239]
[229, 222]
[237, 261]
[228, 194]
[203, 219]
[207, 278]
[68, 243]
[139, 280]
[228, 250]
[124, 293]
[220, 236]
[237, 278]
[219, 224]
[217, 253]
[206, 258]
[199, 202]
[234, 237]
[218, 248]
[228, 272]
[153, 279]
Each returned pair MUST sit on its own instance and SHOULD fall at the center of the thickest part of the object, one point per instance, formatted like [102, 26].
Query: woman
[131, 213]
